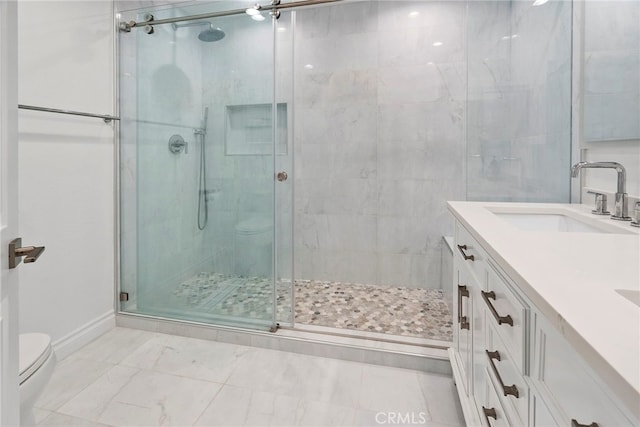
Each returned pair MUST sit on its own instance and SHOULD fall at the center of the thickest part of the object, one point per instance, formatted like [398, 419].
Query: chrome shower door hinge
[124, 296]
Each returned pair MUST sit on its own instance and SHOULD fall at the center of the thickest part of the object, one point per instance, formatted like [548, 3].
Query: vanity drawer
[570, 384]
[509, 316]
[509, 383]
[470, 251]
[492, 413]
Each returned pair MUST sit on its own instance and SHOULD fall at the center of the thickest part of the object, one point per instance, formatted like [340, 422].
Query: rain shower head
[211, 34]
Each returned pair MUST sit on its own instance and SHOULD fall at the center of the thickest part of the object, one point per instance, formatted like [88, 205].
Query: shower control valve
[177, 145]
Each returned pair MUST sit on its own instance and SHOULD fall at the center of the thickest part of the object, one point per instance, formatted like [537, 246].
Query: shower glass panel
[379, 98]
[200, 128]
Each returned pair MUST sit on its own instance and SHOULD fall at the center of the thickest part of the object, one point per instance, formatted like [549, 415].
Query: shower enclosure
[198, 217]
[292, 168]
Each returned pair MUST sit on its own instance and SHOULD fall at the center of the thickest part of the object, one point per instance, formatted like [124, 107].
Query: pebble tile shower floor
[423, 313]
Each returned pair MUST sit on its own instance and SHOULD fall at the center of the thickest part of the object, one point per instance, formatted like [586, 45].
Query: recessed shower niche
[249, 129]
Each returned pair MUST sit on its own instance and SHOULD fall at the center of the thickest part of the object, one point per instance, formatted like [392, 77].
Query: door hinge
[124, 296]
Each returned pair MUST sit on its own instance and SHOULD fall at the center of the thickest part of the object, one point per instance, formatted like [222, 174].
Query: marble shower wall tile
[380, 134]
[161, 188]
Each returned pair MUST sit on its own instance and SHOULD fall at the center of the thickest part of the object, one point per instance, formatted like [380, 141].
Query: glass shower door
[200, 134]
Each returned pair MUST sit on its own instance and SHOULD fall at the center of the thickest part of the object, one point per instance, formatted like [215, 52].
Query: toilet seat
[35, 349]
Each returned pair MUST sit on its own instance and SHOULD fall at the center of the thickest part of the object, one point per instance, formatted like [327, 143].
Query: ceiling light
[436, 44]
[539, 2]
[414, 14]
[282, 29]
[257, 17]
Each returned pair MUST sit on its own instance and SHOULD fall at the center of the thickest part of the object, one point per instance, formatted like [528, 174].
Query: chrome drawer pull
[574, 423]
[462, 292]
[506, 389]
[463, 248]
[489, 413]
[500, 319]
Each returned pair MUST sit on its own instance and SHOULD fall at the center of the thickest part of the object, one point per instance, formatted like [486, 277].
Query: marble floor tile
[333, 381]
[364, 418]
[240, 406]
[158, 399]
[114, 346]
[169, 380]
[316, 378]
[313, 414]
[441, 396]
[91, 402]
[187, 357]
[40, 414]
[391, 389]
[69, 378]
[60, 420]
[267, 370]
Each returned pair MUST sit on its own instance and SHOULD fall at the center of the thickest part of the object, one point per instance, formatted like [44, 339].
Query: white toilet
[37, 360]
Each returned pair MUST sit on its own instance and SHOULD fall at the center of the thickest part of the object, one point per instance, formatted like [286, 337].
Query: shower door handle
[282, 176]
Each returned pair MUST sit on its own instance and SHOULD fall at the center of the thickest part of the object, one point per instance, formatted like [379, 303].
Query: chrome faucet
[621, 196]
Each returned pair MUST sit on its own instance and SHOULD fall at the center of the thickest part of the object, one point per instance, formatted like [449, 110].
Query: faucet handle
[601, 203]
[636, 215]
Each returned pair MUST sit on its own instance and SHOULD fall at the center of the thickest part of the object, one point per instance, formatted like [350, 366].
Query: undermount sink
[558, 221]
[631, 295]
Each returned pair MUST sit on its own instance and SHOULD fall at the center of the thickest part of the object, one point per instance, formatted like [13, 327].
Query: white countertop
[571, 278]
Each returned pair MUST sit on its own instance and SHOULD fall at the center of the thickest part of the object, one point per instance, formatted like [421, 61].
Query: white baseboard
[84, 334]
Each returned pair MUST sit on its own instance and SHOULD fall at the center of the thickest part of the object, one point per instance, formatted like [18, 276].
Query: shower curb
[416, 357]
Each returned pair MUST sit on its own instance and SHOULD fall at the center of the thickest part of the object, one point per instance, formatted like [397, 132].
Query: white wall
[66, 169]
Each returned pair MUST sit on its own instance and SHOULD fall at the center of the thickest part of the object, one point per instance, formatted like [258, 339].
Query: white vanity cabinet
[512, 367]
[470, 278]
[571, 390]
[463, 283]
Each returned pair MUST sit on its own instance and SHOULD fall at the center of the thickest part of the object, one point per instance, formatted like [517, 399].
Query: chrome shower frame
[274, 8]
